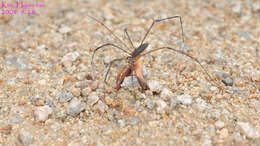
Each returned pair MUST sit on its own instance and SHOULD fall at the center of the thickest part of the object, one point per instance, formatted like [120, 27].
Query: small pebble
[154, 86]
[121, 122]
[75, 91]
[24, 45]
[10, 60]
[228, 81]
[69, 58]
[256, 6]
[61, 115]
[75, 107]
[248, 130]
[237, 8]
[219, 124]
[150, 104]
[223, 133]
[101, 107]
[64, 29]
[25, 137]
[130, 81]
[174, 103]
[134, 120]
[166, 94]
[185, 99]
[65, 96]
[86, 91]
[92, 99]
[42, 113]
[161, 106]
[55, 127]
[219, 75]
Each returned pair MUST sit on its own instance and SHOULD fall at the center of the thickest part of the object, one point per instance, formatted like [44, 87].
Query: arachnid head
[139, 50]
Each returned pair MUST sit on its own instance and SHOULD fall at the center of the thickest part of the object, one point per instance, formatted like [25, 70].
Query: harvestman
[133, 65]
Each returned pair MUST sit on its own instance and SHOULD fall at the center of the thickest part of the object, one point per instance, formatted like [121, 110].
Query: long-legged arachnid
[133, 65]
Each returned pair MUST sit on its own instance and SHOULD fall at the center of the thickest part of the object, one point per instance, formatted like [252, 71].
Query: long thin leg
[138, 71]
[108, 44]
[108, 30]
[159, 20]
[109, 67]
[128, 37]
[181, 52]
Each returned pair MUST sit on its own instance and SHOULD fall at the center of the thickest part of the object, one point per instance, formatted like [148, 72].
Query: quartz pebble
[101, 106]
[166, 94]
[223, 133]
[228, 81]
[25, 137]
[130, 81]
[219, 124]
[134, 120]
[69, 58]
[92, 99]
[64, 29]
[150, 104]
[65, 96]
[161, 106]
[42, 113]
[184, 99]
[121, 122]
[154, 86]
[75, 107]
[248, 130]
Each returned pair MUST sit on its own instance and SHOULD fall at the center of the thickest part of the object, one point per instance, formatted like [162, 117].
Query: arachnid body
[133, 67]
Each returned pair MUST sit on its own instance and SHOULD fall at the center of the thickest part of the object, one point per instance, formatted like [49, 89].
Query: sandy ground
[51, 94]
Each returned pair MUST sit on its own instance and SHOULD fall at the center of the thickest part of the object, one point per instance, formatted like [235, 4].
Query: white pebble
[248, 130]
[130, 81]
[154, 86]
[75, 107]
[166, 94]
[161, 106]
[70, 57]
[42, 113]
[25, 137]
[185, 99]
[101, 107]
[64, 29]
[92, 99]
[219, 124]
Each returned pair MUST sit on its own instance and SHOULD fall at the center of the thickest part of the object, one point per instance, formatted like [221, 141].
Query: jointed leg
[181, 52]
[108, 30]
[129, 39]
[138, 71]
[109, 67]
[159, 20]
[108, 44]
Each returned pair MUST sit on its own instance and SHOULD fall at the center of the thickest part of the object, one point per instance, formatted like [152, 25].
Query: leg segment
[138, 70]
[108, 44]
[124, 72]
[109, 67]
[159, 20]
[129, 39]
[108, 29]
[183, 53]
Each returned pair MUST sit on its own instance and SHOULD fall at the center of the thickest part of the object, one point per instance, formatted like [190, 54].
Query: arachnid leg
[109, 67]
[124, 72]
[159, 20]
[107, 44]
[185, 54]
[139, 74]
[129, 39]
